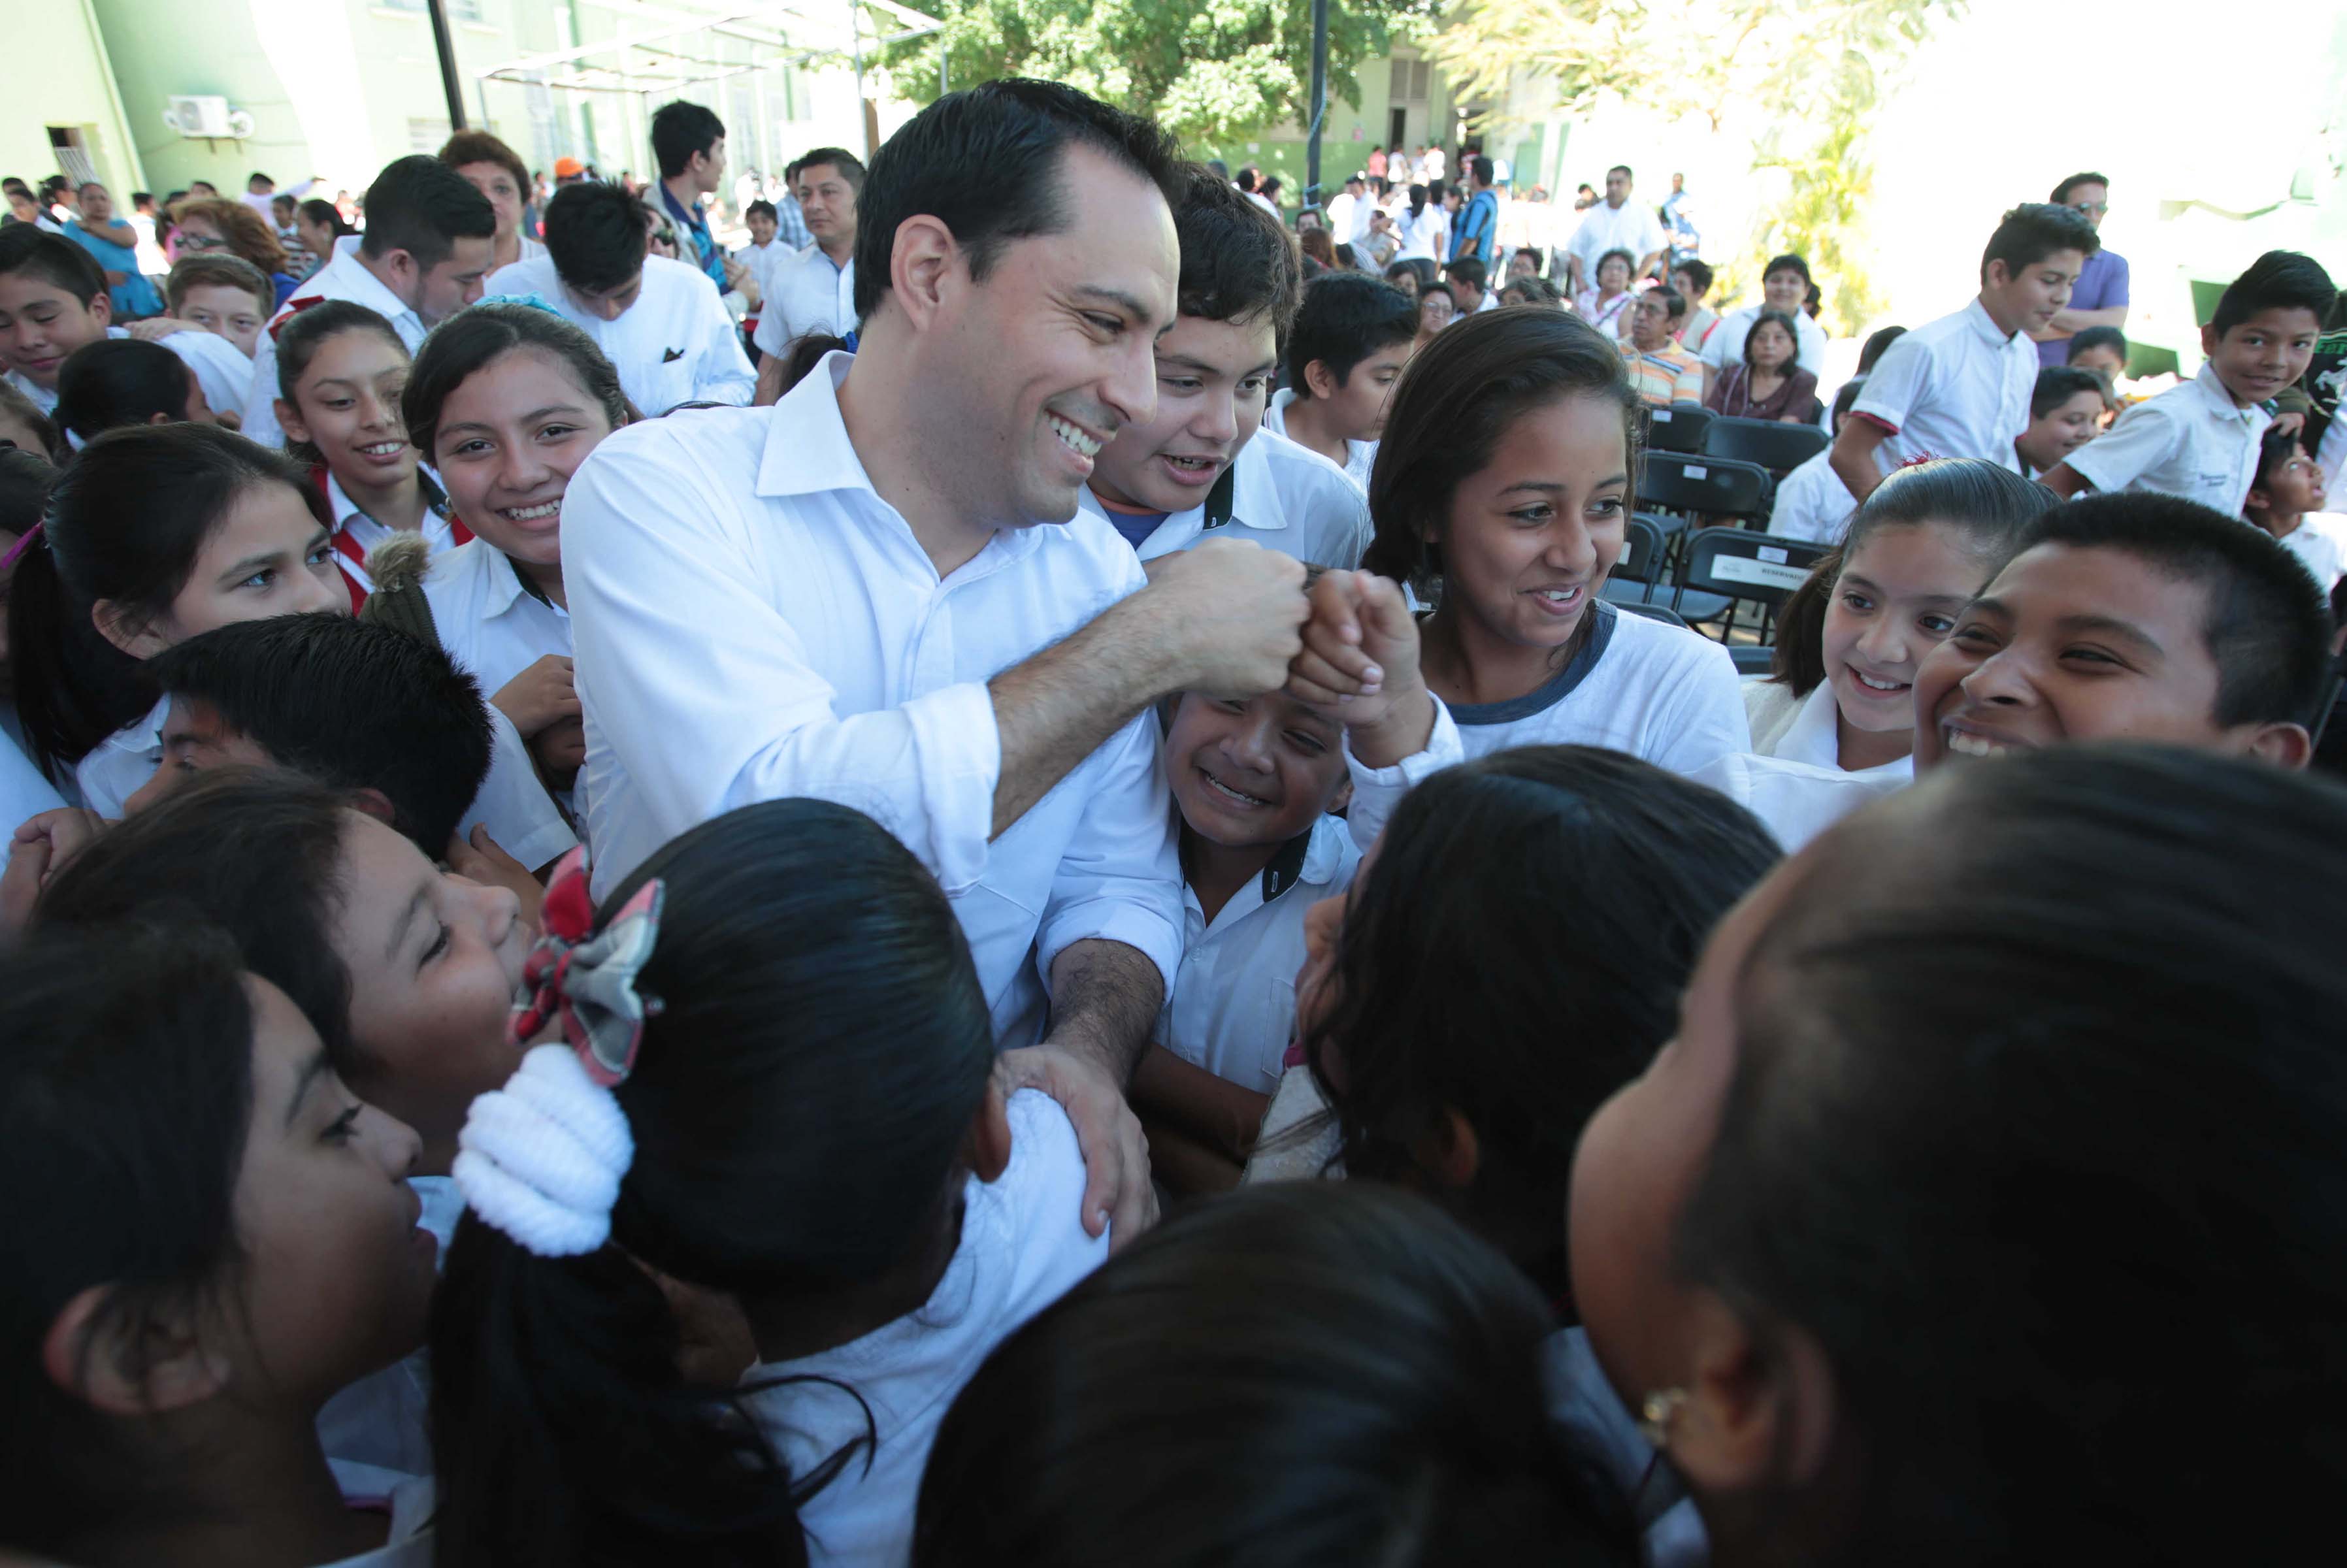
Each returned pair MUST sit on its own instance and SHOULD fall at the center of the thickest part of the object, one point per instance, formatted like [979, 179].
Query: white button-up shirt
[1281, 496]
[674, 344]
[1631, 227]
[2192, 440]
[1360, 457]
[1955, 387]
[752, 620]
[1724, 346]
[341, 278]
[1812, 503]
[1234, 1004]
[806, 294]
[487, 619]
[437, 530]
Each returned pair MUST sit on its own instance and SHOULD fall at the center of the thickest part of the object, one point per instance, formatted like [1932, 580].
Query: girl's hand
[539, 695]
[484, 860]
[1357, 615]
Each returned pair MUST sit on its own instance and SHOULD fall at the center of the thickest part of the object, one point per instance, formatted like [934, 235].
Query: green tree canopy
[1208, 70]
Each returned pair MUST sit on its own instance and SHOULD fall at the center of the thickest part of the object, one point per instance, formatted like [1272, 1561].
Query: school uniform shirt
[1796, 800]
[1955, 387]
[751, 621]
[1663, 693]
[2320, 542]
[1812, 503]
[1022, 1247]
[1276, 493]
[808, 293]
[487, 619]
[220, 366]
[1807, 729]
[1602, 1433]
[675, 344]
[1233, 1004]
[1360, 457]
[341, 278]
[2192, 440]
[1631, 227]
[383, 1419]
[762, 261]
[356, 535]
[407, 1502]
[1724, 344]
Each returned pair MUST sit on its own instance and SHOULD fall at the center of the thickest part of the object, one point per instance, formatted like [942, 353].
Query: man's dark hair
[595, 235]
[680, 129]
[51, 258]
[1238, 263]
[1787, 262]
[1674, 303]
[1481, 169]
[1467, 270]
[1346, 318]
[1698, 270]
[2277, 280]
[352, 705]
[850, 166]
[986, 162]
[420, 205]
[2267, 627]
[1624, 171]
[1534, 254]
[765, 207]
[2098, 337]
[1246, 177]
[2035, 231]
[256, 174]
[142, 199]
[1355, 179]
[2060, 196]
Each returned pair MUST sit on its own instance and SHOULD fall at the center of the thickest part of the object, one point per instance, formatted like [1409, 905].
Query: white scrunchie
[541, 1159]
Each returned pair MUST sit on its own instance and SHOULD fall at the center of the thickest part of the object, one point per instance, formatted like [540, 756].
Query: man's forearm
[1056, 708]
[1106, 997]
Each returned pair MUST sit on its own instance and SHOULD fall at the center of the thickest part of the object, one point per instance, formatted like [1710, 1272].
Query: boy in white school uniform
[1350, 339]
[1254, 781]
[880, 592]
[430, 241]
[1203, 466]
[1960, 386]
[53, 299]
[659, 322]
[1812, 503]
[2287, 502]
[2200, 440]
[814, 290]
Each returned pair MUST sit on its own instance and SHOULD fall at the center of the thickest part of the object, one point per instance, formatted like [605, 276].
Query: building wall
[61, 79]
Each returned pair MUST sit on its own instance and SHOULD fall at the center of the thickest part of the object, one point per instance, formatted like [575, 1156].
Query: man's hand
[1118, 1195]
[561, 750]
[484, 861]
[539, 695]
[1229, 612]
[42, 846]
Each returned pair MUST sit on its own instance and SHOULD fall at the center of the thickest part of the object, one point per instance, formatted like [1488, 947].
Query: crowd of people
[1002, 882]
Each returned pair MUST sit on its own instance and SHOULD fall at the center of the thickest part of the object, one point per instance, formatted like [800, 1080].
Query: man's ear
[131, 1368]
[921, 262]
[135, 635]
[1754, 1414]
[987, 1146]
[2284, 745]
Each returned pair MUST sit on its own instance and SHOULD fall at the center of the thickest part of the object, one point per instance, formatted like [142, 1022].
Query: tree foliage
[1209, 70]
[1804, 76]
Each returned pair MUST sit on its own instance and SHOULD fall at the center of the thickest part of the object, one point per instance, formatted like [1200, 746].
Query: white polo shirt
[487, 619]
[675, 344]
[1812, 503]
[341, 278]
[806, 294]
[752, 620]
[220, 367]
[1724, 346]
[2192, 440]
[1281, 496]
[1660, 692]
[1955, 387]
[1631, 227]
[1233, 1004]
[1360, 457]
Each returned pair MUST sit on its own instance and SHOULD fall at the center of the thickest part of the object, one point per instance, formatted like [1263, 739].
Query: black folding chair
[1654, 612]
[1633, 578]
[1677, 427]
[1751, 661]
[1699, 484]
[1773, 444]
[1745, 568]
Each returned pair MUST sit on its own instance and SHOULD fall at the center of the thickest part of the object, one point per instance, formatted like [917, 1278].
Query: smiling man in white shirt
[814, 292]
[880, 591]
[429, 242]
[1203, 466]
[659, 322]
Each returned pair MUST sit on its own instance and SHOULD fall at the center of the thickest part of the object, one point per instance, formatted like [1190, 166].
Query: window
[72, 152]
[459, 11]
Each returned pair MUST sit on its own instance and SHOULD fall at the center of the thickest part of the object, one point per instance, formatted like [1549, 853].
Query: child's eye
[1181, 383]
[261, 580]
[558, 432]
[440, 946]
[1608, 507]
[1937, 625]
[1974, 635]
[467, 448]
[2089, 656]
[343, 1127]
[1309, 744]
[1857, 602]
[320, 556]
[1535, 514]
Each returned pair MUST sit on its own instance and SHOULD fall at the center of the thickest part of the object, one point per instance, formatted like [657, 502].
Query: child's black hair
[1238, 264]
[2277, 280]
[595, 235]
[2088, 338]
[472, 340]
[2057, 383]
[2035, 231]
[1345, 319]
[53, 259]
[121, 381]
[299, 337]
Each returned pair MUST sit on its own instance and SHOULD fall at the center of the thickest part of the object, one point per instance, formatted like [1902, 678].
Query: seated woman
[1769, 385]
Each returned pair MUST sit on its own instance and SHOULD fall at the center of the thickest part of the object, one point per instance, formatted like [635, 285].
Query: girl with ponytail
[734, 1242]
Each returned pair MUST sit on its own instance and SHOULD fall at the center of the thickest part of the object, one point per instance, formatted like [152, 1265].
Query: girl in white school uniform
[507, 399]
[728, 1255]
[341, 368]
[1501, 492]
[222, 1240]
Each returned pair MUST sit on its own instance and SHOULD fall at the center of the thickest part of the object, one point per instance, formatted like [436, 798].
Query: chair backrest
[1681, 482]
[1641, 550]
[1751, 661]
[1677, 427]
[1655, 613]
[1737, 563]
[1774, 444]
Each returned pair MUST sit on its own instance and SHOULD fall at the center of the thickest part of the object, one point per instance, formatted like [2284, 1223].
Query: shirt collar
[807, 450]
[1984, 325]
[2219, 397]
[435, 503]
[1246, 494]
[349, 280]
[502, 588]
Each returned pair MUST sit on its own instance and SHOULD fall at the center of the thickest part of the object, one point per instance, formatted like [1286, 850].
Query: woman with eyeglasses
[211, 226]
[2099, 298]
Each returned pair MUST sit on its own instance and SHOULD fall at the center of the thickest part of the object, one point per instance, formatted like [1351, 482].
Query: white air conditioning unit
[207, 117]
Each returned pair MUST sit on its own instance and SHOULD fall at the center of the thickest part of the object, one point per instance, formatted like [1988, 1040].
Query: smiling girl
[340, 369]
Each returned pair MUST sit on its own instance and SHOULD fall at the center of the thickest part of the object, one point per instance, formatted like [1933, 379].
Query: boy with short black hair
[1692, 277]
[2065, 411]
[1960, 386]
[2200, 440]
[1468, 276]
[1203, 466]
[1346, 351]
[2286, 500]
[2104, 351]
[53, 299]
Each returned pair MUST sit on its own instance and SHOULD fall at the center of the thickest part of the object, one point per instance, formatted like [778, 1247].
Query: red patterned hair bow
[586, 979]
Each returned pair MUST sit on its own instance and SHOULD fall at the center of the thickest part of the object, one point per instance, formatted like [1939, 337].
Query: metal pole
[446, 45]
[1319, 102]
